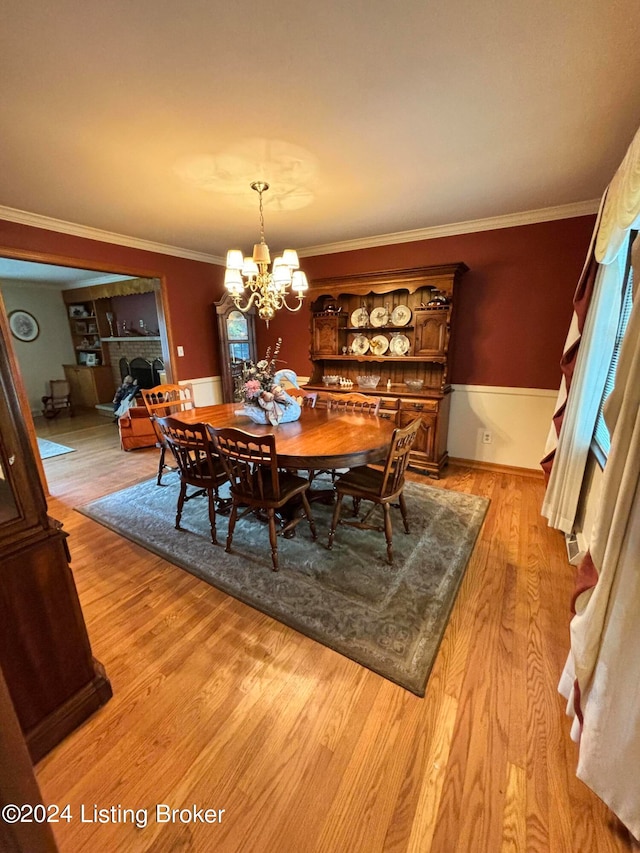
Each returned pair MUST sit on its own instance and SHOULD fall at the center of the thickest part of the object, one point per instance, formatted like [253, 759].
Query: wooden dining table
[320, 439]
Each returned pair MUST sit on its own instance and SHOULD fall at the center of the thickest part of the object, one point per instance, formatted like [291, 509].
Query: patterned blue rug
[389, 619]
[50, 448]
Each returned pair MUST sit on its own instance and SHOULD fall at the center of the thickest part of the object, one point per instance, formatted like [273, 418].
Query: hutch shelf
[395, 325]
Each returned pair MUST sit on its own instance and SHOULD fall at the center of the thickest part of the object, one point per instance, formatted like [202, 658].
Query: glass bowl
[414, 384]
[331, 380]
[367, 381]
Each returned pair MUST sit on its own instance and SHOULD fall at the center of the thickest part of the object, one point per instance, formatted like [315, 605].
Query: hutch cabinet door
[432, 333]
[325, 335]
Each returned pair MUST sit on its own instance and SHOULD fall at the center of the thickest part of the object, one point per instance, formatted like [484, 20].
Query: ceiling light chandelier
[250, 278]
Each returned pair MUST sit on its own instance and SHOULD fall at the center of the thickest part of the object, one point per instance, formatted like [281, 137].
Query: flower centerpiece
[265, 399]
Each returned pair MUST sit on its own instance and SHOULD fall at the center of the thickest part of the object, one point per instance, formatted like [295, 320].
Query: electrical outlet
[180, 350]
[487, 437]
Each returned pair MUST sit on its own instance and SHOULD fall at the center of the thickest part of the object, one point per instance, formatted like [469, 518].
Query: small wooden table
[320, 439]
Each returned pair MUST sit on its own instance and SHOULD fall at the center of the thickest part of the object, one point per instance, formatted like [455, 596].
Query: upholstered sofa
[136, 429]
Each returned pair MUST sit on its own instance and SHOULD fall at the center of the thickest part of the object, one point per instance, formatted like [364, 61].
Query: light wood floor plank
[220, 706]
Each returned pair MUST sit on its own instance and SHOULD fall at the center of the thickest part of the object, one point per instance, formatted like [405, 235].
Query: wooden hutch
[394, 325]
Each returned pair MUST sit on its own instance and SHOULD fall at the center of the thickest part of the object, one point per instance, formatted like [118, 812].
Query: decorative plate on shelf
[360, 318]
[360, 345]
[400, 315]
[399, 345]
[379, 344]
[379, 317]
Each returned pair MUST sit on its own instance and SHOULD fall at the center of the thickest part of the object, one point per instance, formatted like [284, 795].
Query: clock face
[24, 326]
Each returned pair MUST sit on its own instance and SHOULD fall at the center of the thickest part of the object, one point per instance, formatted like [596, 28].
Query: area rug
[389, 619]
[50, 448]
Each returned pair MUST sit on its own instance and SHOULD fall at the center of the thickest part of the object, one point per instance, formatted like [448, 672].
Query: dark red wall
[513, 307]
[191, 286]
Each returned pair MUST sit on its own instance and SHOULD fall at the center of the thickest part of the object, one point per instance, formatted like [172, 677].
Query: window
[601, 444]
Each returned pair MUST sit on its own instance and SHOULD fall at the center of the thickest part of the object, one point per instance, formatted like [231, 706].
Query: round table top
[320, 439]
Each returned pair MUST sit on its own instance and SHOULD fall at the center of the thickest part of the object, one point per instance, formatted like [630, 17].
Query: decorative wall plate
[379, 317]
[400, 315]
[400, 345]
[360, 345]
[24, 326]
[379, 344]
[360, 318]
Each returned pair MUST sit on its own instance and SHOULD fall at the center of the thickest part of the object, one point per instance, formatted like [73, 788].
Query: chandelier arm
[288, 307]
[250, 301]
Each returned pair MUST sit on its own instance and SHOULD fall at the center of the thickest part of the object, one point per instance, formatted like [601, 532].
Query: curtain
[590, 343]
[126, 287]
[581, 302]
[601, 679]
[586, 388]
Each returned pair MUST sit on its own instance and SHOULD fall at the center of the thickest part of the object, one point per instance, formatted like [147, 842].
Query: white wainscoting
[207, 391]
[517, 418]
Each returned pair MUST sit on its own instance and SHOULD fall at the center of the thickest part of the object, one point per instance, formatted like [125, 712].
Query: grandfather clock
[237, 336]
[45, 656]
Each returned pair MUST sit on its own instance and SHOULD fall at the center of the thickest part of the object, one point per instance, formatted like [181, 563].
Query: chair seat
[361, 479]
[290, 485]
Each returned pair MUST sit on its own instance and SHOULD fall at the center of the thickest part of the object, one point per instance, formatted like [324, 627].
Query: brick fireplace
[131, 348]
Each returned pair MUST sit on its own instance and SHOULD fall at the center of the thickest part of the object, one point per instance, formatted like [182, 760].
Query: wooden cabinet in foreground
[395, 325]
[45, 656]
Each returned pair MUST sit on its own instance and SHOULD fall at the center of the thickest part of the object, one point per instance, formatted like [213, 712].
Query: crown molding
[509, 220]
[23, 217]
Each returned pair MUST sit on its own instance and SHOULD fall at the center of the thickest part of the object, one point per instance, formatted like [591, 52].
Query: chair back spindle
[353, 404]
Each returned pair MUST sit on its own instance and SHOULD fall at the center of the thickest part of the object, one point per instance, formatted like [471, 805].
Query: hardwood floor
[218, 706]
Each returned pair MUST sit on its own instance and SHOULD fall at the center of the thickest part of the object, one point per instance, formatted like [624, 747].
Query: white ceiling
[150, 119]
[49, 275]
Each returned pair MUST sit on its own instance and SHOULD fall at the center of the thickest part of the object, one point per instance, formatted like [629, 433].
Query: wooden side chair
[380, 486]
[198, 464]
[166, 400]
[58, 400]
[251, 465]
[354, 403]
[308, 401]
[351, 403]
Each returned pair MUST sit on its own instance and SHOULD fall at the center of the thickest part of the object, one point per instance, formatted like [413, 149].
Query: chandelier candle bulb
[250, 282]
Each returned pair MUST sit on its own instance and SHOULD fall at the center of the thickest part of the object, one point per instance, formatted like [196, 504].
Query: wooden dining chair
[166, 400]
[251, 465]
[381, 486]
[197, 462]
[353, 403]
